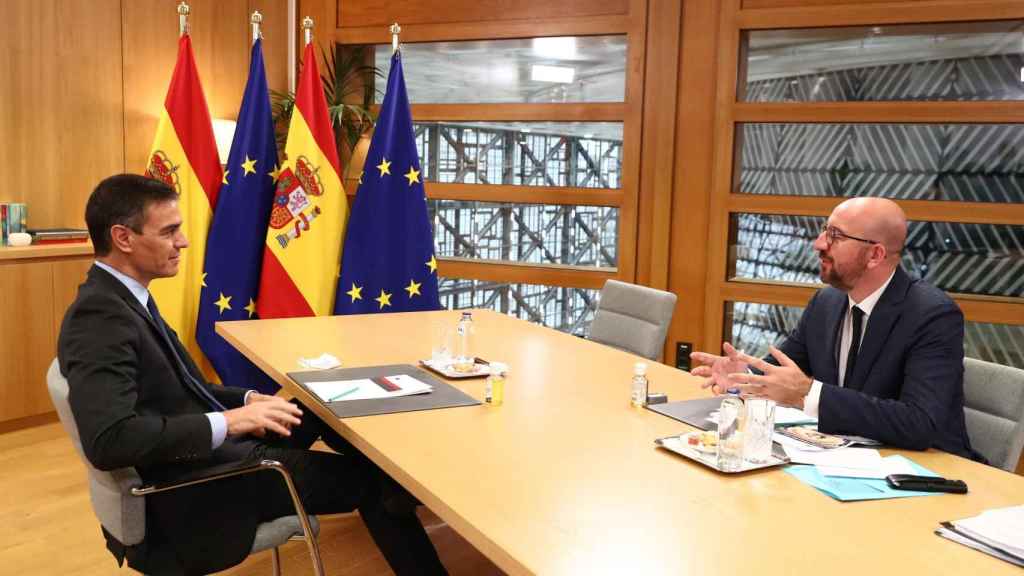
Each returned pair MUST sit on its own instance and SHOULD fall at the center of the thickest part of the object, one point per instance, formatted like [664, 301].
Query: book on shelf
[13, 218]
[58, 235]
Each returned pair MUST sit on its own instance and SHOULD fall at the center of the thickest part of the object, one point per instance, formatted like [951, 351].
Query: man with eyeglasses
[875, 354]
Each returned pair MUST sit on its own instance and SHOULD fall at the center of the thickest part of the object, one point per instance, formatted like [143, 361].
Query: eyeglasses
[832, 234]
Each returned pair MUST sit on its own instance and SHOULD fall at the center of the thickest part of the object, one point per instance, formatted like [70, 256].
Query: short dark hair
[122, 199]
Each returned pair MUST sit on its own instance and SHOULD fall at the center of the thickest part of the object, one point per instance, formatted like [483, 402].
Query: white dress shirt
[867, 305]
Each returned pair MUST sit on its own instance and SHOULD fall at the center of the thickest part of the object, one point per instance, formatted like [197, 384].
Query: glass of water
[441, 345]
[760, 426]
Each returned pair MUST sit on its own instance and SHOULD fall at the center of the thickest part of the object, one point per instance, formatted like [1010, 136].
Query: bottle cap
[467, 315]
[640, 368]
[499, 368]
[735, 391]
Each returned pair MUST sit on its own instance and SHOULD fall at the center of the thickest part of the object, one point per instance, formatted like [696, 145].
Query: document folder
[444, 395]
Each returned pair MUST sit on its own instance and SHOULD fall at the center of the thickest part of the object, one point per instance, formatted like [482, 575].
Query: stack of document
[369, 388]
[999, 533]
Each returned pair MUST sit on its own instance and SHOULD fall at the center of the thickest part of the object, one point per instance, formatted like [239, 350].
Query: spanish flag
[309, 212]
[184, 155]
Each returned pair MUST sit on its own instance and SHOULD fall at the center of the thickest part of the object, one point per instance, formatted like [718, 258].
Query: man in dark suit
[139, 400]
[875, 354]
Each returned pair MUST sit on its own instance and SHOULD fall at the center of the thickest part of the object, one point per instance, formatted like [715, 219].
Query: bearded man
[875, 354]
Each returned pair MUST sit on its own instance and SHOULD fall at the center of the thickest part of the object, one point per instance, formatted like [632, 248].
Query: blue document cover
[853, 489]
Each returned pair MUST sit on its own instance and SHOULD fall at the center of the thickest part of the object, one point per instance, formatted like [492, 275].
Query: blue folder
[853, 489]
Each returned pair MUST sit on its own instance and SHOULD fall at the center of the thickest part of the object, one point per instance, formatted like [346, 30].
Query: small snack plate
[480, 369]
[680, 445]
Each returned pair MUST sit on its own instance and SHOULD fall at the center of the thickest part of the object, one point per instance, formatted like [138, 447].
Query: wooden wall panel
[752, 4]
[27, 342]
[695, 134]
[657, 154]
[67, 276]
[376, 13]
[60, 104]
[275, 41]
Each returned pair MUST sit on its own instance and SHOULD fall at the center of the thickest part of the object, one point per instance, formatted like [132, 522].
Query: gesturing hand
[716, 369]
[262, 414]
[785, 383]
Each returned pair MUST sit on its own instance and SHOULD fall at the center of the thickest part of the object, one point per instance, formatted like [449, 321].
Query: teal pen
[343, 394]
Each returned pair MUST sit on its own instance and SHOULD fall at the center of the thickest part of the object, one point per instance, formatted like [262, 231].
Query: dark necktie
[851, 357]
[190, 380]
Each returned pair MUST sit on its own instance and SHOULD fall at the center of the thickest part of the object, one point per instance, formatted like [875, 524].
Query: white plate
[480, 369]
[679, 445]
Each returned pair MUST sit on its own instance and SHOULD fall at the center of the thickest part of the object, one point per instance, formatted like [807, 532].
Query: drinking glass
[441, 345]
[760, 426]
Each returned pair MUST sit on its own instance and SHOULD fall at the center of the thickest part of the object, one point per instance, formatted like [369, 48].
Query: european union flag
[388, 264]
[234, 247]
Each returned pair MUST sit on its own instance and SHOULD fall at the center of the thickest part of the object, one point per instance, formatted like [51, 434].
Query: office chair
[118, 496]
[994, 411]
[633, 318]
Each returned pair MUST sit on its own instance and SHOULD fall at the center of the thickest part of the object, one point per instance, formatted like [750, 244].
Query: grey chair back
[633, 318]
[994, 411]
[124, 516]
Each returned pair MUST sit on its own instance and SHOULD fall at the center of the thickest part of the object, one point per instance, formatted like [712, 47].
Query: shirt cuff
[218, 427]
[812, 399]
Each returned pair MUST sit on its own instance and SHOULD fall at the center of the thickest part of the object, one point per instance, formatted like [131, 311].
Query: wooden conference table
[564, 478]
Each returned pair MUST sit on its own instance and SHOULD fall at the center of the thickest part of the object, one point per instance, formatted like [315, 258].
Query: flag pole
[307, 30]
[183, 11]
[256, 19]
[395, 31]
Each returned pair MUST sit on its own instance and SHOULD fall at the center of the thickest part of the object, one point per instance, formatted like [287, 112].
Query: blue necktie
[190, 380]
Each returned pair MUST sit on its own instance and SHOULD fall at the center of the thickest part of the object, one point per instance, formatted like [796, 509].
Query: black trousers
[344, 481]
[209, 527]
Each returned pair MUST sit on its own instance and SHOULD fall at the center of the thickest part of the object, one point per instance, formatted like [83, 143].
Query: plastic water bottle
[638, 389]
[730, 433]
[465, 361]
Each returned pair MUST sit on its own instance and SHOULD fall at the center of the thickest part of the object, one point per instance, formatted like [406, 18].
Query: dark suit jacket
[132, 409]
[907, 387]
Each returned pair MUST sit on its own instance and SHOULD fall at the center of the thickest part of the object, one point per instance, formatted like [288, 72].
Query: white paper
[887, 466]
[784, 415]
[857, 458]
[1002, 527]
[367, 389]
[322, 362]
[946, 533]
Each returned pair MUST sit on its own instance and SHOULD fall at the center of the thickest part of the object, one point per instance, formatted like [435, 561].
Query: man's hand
[785, 383]
[257, 397]
[262, 414]
[716, 369]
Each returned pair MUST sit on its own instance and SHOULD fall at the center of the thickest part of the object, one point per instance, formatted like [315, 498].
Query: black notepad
[444, 395]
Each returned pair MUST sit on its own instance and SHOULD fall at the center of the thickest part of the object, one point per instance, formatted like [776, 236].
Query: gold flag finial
[395, 31]
[256, 19]
[183, 11]
[307, 29]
